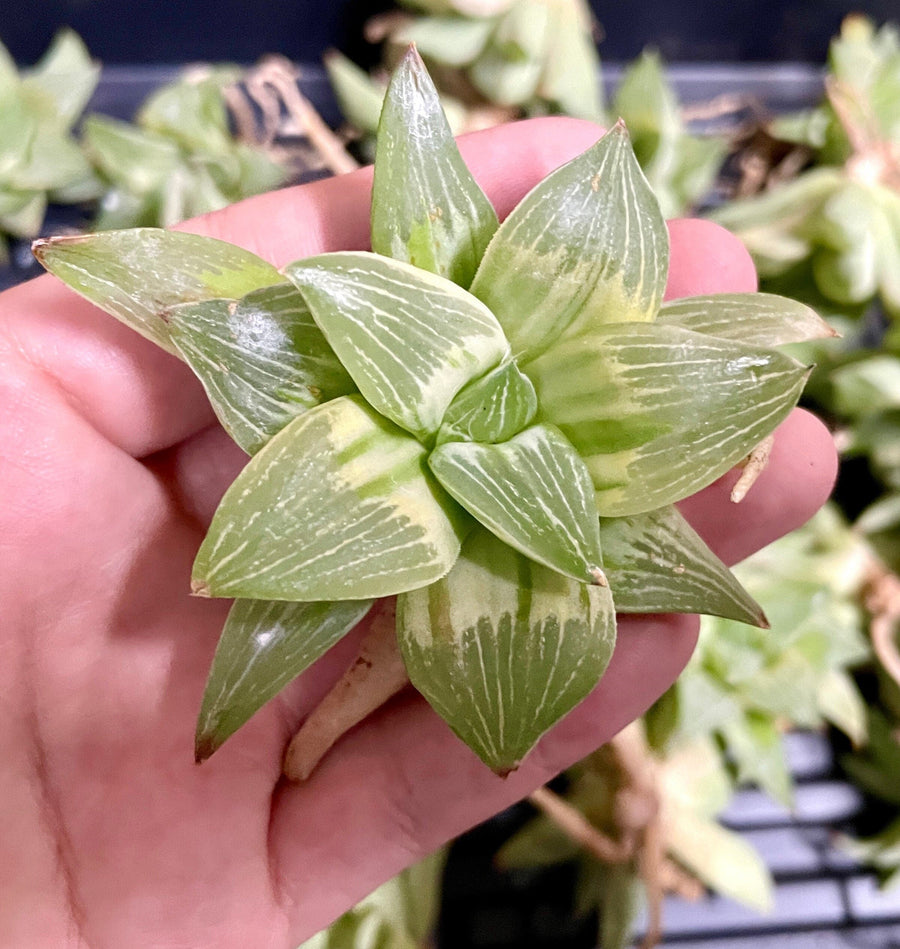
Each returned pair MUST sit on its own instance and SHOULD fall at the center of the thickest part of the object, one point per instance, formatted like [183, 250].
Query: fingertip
[705, 258]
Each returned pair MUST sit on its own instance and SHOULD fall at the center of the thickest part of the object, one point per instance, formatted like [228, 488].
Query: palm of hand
[109, 467]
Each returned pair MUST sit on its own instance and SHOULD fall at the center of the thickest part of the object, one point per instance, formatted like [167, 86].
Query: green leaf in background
[502, 647]
[491, 409]
[587, 246]
[508, 70]
[359, 97]
[619, 893]
[657, 563]
[264, 645]
[754, 743]
[448, 40]
[841, 703]
[755, 319]
[658, 412]
[338, 505]
[680, 167]
[262, 360]
[723, 860]
[64, 78]
[139, 275]
[410, 339]
[533, 492]
[570, 80]
[427, 209]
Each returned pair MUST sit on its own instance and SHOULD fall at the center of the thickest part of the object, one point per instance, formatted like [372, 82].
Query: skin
[110, 465]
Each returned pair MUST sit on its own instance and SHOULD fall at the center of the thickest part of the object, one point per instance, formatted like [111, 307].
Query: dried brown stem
[375, 675]
[273, 87]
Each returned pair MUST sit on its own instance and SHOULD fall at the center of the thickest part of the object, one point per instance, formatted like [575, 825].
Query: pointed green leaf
[533, 492]
[410, 339]
[264, 645]
[261, 359]
[756, 319]
[139, 275]
[491, 409]
[427, 209]
[587, 246]
[658, 412]
[657, 563]
[502, 647]
[338, 505]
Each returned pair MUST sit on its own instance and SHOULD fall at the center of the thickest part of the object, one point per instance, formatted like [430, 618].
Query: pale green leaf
[338, 505]
[756, 319]
[264, 645]
[587, 246]
[754, 743]
[449, 40]
[261, 359]
[409, 339]
[570, 80]
[137, 160]
[841, 703]
[65, 77]
[509, 68]
[139, 275]
[540, 843]
[359, 96]
[533, 492]
[490, 409]
[658, 412]
[723, 860]
[18, 127]
[22, 212]
[54, 161]
[502, 647]
[657, 563]
[427, 209]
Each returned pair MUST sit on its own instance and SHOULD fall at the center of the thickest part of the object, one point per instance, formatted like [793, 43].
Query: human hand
[110, 467]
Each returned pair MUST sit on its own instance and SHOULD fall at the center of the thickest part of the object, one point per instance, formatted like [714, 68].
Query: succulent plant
[836, 226]
[40, 160]
[490, 423]
[179, 159]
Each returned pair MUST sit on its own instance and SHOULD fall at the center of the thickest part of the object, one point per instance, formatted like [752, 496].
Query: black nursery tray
[823, 900]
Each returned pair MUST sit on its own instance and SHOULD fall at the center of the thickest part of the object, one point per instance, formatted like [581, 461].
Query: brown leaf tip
[200, 588]
[598, 577]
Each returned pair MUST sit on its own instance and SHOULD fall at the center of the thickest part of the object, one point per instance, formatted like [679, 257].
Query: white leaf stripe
[264, 645]
[338, 505]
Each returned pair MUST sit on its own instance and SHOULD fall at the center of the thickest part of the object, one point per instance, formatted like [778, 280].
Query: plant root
[375, 675]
